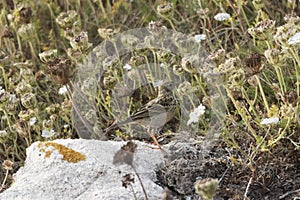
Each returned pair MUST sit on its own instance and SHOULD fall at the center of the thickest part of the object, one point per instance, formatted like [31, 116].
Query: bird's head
[165, 87]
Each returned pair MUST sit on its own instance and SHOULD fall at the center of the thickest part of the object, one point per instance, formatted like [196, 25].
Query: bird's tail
[117, 125]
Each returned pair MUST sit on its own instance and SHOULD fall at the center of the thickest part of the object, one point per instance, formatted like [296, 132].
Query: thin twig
[247, 189]
[143, 188]
[288, 193]
[223, 175]
[3, 183]
[132, 189]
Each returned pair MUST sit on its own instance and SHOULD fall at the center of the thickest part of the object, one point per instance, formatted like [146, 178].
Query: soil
[272, 175]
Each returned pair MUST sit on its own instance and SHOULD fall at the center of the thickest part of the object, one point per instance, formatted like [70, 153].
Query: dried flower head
[237, 78]
[178, 70]
[52, 109]
[163, 55]
[90, 116]
[66, 19]
[130, 40]
[23, 87]
[286, 112]
[22, 14]
[25, 115]
[6, 33]
[273, 111]
[88, 85]
[230, 68]
[24, 65]
[60, 70]
[29, 100]
[207, 188]
[3, 56]
[231, 71]
[47, 124]
[217, 57]
[125, 154]
[137, 60]
[109, 81]
[285, 32]
[13, 103]
[27, 75]
[66, 105]
[203, 13]
[184, 88]
[81, 42]
[4, 95]
[127, 180]
[273, 56]
[3, 133]
[292, 18]
[8, 165]
[235, 91]
[206, 101]
[26, 32]
[234, 62]
[263, 30]
[189, 63]
[134, 74]
[48, 56]
[165, 9]
[252, 81]
[107, 33]
[22, 128]
[154, 26]
[291, 97]
[253, 64]
[258, 4]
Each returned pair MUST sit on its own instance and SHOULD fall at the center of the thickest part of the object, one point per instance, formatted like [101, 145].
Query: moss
[69, 155]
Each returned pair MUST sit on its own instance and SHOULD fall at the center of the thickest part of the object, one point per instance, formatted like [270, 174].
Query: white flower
[200, 37]
[2, 91]
[272, 120]
[194, 116]
[162, 65]
[9, 17]
[158, 83]
[221, 16]
[47, 133]
[62, 90]
[3, 132]
[127, 66]
[295, 39]
[13, 98]
[32, 121]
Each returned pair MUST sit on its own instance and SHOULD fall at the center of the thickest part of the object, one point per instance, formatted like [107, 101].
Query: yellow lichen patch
[68, 154]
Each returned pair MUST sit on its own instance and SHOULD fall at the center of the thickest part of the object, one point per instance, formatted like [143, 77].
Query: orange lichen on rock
[68, 154]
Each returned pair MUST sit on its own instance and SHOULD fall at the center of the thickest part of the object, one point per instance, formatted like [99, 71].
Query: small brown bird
[154, 114]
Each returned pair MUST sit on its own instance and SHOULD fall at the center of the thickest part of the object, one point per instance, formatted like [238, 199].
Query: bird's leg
[153, 138]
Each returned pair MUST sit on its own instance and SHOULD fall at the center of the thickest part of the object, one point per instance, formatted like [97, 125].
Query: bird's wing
[148, 110]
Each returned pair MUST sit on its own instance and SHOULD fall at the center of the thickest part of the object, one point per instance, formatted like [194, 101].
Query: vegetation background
[254, 45]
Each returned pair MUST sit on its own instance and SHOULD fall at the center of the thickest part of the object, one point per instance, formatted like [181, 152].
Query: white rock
[93, 178]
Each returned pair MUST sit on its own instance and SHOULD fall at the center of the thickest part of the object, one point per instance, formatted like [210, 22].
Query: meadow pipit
[154, 114]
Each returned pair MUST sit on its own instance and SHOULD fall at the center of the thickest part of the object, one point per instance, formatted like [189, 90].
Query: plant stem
[262, 93]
